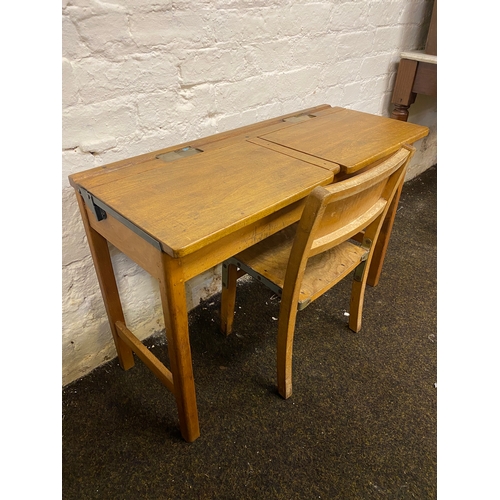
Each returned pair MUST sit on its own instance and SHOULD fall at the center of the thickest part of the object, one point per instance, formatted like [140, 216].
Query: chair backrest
[337, 212]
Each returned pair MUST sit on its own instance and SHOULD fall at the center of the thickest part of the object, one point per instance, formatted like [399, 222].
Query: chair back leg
[356, 305]
[228, 297]
[362, 273]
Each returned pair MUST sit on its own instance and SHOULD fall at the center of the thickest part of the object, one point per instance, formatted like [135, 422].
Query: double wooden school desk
[180, 211]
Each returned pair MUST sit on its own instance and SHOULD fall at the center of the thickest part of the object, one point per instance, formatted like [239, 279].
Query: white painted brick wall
[142, 75]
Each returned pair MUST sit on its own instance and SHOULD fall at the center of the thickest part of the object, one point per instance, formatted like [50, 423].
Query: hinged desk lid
[194, 200]
[349, 138]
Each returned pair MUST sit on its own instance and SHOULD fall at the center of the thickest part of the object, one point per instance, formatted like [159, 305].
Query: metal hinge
[101, 210]
[98, 212]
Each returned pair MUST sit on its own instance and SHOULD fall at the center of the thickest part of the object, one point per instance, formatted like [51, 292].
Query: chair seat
[269, 259]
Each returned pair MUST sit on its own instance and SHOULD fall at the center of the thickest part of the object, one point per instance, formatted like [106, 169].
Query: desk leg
[383, 241]
[173, 298]
[107, 282]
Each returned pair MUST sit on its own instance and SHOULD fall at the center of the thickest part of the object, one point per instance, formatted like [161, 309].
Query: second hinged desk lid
[352, 139]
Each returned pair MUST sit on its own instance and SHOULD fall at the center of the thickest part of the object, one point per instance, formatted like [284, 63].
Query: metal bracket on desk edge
[101, 210]
[98, 212]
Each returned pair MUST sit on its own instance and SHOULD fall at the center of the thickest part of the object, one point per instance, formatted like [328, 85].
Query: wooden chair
[336, 234]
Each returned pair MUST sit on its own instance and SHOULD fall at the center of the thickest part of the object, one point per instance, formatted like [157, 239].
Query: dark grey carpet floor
[361, 423]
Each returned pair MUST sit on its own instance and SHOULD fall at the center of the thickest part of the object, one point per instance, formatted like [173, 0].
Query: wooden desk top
[188, 196]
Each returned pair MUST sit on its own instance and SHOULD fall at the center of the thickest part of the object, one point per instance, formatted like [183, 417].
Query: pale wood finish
[380, 249]
[131, 244]
[216, 252]
[146, 356]
[173, 299]
[105, 275]
[183, 212]
[307, 259]
[228, 298]
[352, 139]
[222, 139]
[180, 218]
[149, 257]
[344, 137]
[320, 162]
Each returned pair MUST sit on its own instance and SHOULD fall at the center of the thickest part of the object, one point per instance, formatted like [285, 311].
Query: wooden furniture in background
[182, 210]
[417, 73]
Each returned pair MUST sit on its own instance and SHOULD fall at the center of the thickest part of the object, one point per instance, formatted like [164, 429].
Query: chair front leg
[357, 299]
[286, 330]
[228, 297]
